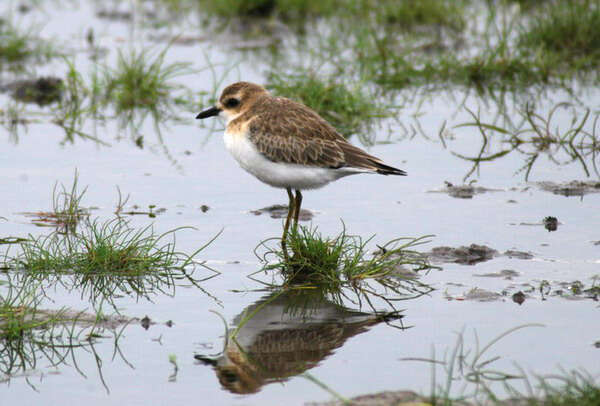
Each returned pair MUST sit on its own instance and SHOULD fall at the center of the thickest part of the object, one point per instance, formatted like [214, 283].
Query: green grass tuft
[17, 45]
[569, 29]
[285, 9]
[112, 246]
[141, 81]
[408, 15]
[340, 264]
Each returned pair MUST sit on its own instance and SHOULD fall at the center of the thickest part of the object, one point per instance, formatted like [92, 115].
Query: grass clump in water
[112, 246]
[333, 265]
[349, 108]
[569, 29]
[577, 390]
[66, 208]
[17, 46]
[411, 14]
[286, 9]
[140, 81]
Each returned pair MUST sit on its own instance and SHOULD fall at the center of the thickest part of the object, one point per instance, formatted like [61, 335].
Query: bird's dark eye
[231, 103]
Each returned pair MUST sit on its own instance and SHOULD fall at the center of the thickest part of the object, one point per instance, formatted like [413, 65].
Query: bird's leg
[291, 204]
[297, 209]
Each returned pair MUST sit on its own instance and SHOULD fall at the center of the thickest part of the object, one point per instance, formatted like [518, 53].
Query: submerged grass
[285, 9]
[568, 29]
[31, 337]
[141, 84]
[535, 136]
[410, 14]
[474, 370]
[405, 14]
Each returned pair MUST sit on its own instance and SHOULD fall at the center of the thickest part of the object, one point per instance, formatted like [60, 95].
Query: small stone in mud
[280, 211]
[463, 191]
[519, 298]
[42, 91]
[462, 255]
[505, 273]
[518, 254]
[482, 295]
[550, 223]
[146, 322]
[204, 208]
[597, 344]
[169, 323]
[573, 188]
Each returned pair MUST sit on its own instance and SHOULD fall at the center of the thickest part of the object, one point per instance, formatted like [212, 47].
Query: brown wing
[286, 131]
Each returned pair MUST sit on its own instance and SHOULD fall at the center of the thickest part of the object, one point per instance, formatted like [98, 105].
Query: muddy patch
[42, 91]
[387, 398]
[520, 292]
[463, 191]
[505, 273]
[573, 188]
[471, 255]
[280, 211]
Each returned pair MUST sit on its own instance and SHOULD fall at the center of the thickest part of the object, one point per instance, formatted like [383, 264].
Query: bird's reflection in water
[283, 335]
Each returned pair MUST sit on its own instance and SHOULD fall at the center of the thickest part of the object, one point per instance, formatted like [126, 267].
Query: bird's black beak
[213, 111]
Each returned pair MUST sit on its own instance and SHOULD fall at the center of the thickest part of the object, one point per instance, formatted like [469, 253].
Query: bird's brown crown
[239, 96]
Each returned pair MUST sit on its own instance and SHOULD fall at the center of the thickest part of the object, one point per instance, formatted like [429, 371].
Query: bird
[284, 334]
[287, 145]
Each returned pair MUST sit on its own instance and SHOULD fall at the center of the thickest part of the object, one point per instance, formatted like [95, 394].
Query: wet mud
[573, 188]
[42, 91]
[471, 255]
[280, 211]
[463, 191]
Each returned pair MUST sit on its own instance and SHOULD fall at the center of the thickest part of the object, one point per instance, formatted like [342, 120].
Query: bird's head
[235, 100]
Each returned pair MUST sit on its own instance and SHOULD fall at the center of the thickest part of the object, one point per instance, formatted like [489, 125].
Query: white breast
[280, 175]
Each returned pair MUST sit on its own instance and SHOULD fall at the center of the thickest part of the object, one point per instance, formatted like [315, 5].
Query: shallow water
[168, 177]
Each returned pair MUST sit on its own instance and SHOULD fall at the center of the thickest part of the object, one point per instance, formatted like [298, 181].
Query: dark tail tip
[389, 170]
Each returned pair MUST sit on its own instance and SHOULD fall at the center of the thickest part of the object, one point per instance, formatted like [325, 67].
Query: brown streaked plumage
[286, 144]
[282, 338]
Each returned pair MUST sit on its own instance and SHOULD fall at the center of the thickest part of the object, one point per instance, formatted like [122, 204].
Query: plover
[287, 145]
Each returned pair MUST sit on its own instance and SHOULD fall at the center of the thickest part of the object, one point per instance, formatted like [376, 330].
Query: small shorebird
[286, 144]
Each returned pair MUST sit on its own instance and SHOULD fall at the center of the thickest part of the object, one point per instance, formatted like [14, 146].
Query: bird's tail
[384, 169]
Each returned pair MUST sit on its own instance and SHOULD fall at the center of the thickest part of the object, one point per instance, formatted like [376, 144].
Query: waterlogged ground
[166, 348]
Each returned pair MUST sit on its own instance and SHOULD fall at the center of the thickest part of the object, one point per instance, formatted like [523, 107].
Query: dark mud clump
[519, 298]
[550, 223]
[470, 255]
[280, 211]
[463, 191]
[573, 188]
[43, 91]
